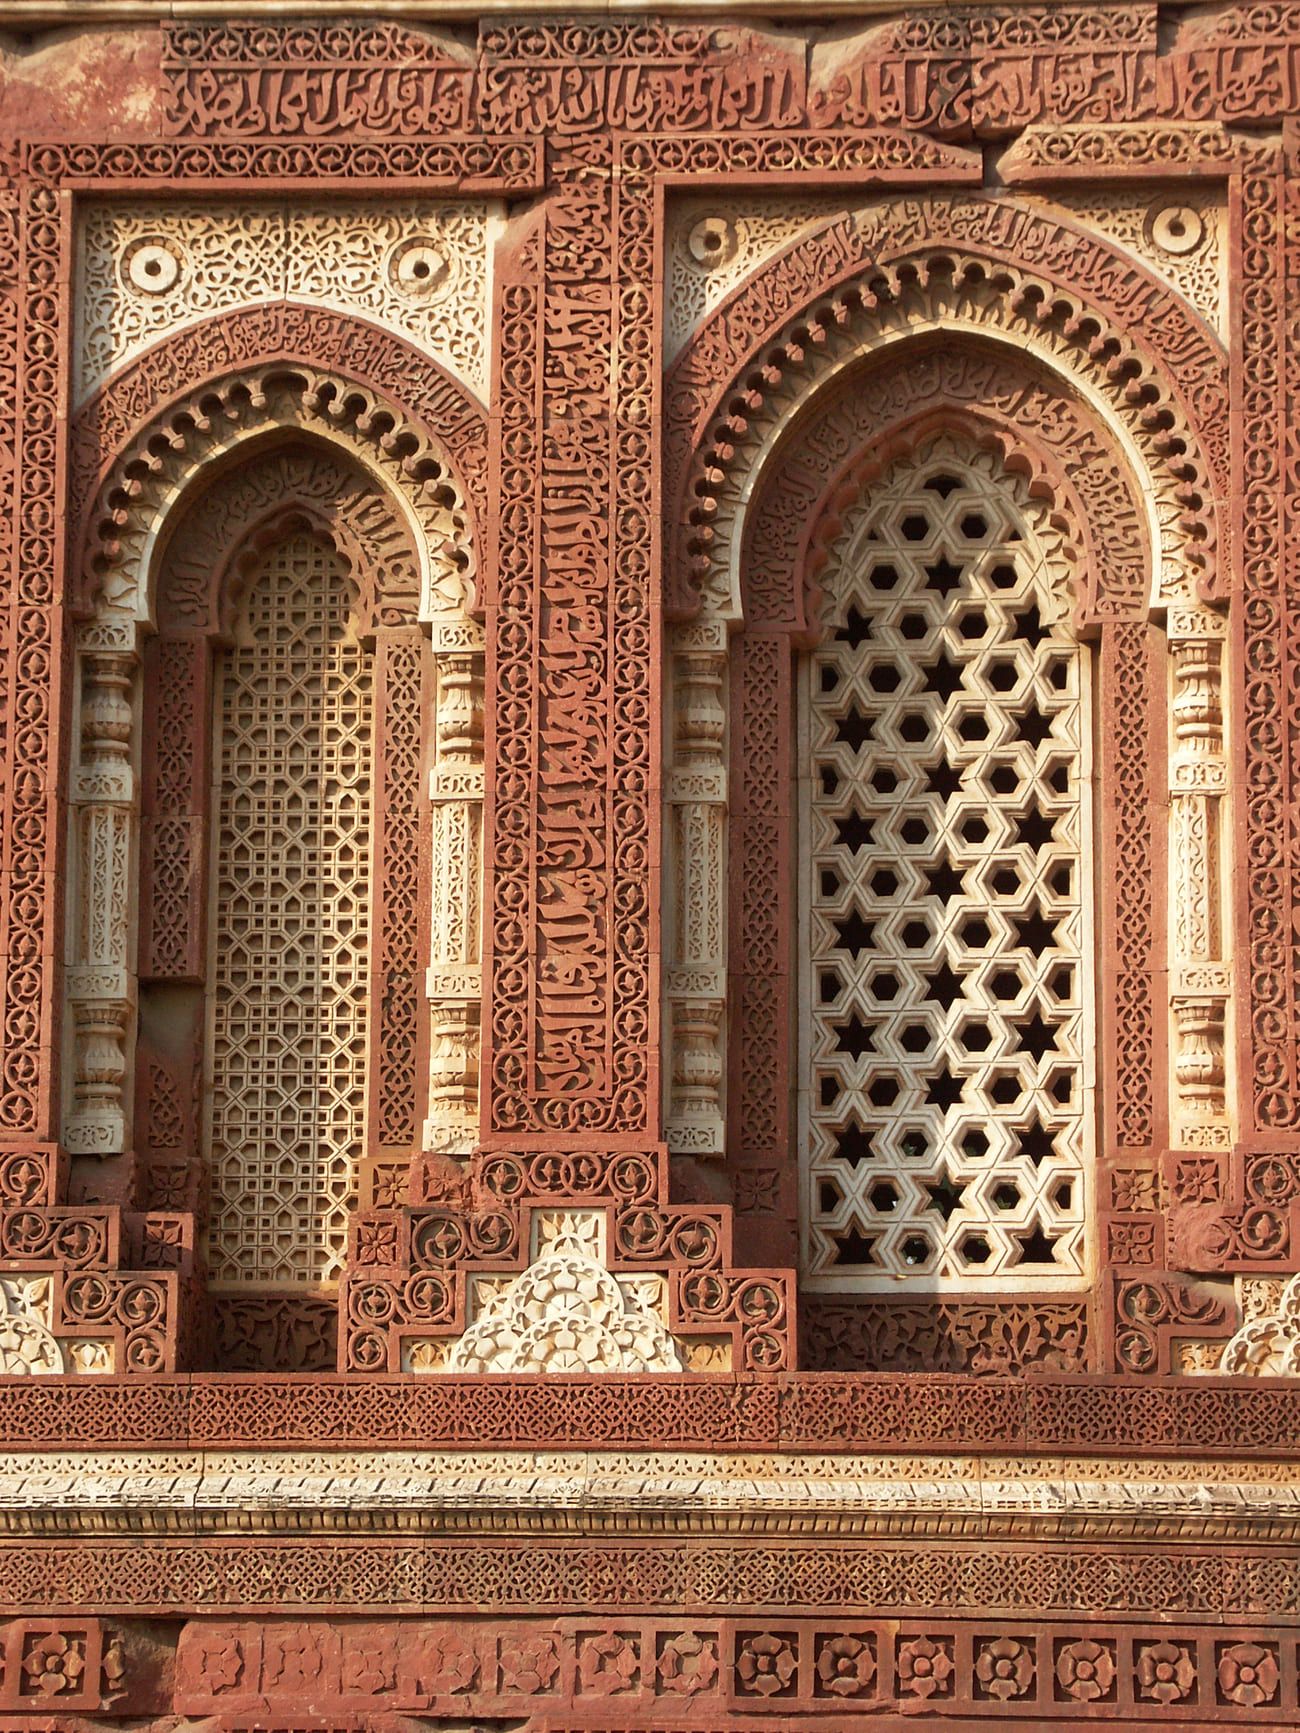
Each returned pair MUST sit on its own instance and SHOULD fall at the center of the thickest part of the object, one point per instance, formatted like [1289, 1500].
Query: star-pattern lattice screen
[947, 1083]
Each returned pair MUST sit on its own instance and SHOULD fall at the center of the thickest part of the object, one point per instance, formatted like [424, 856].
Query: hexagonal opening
[1061, 1088]
[1002, 676]
[1060, 983]
[975, 1249]
[883, 1091]
[915, 1038]
[914, 527]
[976, 1037]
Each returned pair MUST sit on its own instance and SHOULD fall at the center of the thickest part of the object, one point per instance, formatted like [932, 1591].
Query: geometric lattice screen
[289, 947]
[947, 1088]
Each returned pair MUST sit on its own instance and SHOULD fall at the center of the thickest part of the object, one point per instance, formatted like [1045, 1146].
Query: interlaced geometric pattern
[948, 1082]
[290, 938]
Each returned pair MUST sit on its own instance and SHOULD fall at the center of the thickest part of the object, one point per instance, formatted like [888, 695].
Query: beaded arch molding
[754, 464]
[378, 420]
[139, 477]
[849, 288]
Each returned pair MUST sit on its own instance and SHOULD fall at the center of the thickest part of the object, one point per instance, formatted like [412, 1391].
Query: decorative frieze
[460, 1492]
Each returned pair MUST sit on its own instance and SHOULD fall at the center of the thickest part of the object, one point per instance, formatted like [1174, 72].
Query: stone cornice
[458, 1494]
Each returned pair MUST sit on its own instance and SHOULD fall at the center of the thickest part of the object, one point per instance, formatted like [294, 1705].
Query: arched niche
[178, 527]
[786, 442]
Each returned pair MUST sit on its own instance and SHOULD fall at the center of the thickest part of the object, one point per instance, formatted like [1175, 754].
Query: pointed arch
[788, 400]
[174, 518]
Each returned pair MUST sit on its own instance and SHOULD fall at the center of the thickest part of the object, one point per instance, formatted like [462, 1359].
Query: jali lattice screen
[290, 930]
[947, 1088]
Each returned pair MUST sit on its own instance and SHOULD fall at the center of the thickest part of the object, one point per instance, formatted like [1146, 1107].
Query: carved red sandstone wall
[597, 489]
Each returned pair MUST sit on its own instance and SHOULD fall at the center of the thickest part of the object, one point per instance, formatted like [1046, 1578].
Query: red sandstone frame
[574, 286]
[605, 122]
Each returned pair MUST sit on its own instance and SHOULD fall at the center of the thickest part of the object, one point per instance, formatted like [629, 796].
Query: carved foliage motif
[539, 1279]
[1269, 551]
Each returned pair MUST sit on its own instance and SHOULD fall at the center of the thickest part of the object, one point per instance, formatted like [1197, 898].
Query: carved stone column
[455, 972]
[101, 981]
[1199, 964]
[695, 916]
